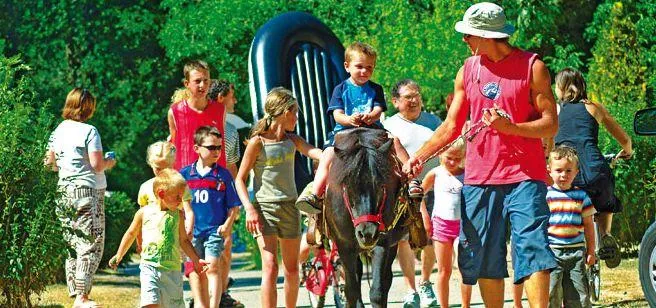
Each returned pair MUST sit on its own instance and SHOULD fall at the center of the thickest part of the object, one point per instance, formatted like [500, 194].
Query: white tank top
[448, 194]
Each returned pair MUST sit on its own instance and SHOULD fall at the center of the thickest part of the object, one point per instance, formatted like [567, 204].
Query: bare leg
[400, 151]
[198, 284]
[427, 262]
[269, 251]
[605, 222]
[289, 248]
[444, 253]
[518, 291]
[224, 265]
[407, 263]
[537, 289]
[492, 291]
[465, 295]
[304, 252]
[321, 177]
[214, 281]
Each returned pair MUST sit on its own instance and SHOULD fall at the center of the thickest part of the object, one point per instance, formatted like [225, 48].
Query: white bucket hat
[486, 20]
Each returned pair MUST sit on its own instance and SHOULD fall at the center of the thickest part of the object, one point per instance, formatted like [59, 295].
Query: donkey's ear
[385, 147]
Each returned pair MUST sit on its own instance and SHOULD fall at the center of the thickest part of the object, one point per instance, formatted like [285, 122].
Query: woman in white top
[75, 151]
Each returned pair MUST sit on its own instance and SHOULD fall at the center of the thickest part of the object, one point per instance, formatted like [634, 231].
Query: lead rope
[480, 125]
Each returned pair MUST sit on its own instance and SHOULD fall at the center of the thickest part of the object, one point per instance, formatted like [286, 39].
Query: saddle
[408, 208]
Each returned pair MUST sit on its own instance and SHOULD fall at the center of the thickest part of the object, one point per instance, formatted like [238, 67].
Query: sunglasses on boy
[212, 147]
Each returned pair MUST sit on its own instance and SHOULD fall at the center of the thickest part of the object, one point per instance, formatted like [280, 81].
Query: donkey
[360, 209]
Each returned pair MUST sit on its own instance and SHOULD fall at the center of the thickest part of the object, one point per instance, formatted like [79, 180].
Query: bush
[119, 211]
[30, 233]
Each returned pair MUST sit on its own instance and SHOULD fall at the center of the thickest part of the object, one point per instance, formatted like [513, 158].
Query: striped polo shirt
[568, 208]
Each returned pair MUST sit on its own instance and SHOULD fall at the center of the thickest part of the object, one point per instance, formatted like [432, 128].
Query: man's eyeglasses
[410, 97]
[211, 147]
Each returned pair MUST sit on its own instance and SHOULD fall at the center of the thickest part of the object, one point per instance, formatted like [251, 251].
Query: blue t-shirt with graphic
[354, 99]
[212, 196]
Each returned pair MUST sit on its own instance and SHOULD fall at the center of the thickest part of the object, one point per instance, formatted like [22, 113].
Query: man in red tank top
[186, 115]
[505, 165]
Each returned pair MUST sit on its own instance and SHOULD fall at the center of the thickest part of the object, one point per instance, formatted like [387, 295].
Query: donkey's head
[364, 166]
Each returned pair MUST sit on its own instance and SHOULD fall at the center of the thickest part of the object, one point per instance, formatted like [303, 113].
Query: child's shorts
[160, 287]
[445, 230]
[212, 246]
[281, 219]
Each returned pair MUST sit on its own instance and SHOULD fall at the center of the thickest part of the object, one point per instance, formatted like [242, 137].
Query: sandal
[309, 203]
[87, 304]
[414, 189]
[609, 250]
[228, 302]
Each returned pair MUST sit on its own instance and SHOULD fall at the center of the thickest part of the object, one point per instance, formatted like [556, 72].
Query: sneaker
[414, 189]
[411, 300]
[228, 302]
[427, 295]
[309, 203]
[609, 250]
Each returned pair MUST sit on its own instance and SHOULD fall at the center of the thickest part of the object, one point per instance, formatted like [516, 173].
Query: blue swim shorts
[212, 245]
[484, 218]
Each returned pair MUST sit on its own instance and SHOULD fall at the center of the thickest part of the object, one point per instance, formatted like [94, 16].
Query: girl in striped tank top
[272, 218]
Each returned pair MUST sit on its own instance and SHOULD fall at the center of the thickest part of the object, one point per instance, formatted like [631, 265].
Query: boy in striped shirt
[571, 232]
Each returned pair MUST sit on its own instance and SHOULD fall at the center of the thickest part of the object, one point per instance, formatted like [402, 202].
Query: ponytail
[278, 101]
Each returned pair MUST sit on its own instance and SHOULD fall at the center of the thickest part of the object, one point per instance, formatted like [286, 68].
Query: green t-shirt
[161, 240]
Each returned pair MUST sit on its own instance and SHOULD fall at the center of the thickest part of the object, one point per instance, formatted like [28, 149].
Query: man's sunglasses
[212, 147]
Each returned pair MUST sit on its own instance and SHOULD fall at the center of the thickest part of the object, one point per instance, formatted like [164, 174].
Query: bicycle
[323, 270]
[594, 272]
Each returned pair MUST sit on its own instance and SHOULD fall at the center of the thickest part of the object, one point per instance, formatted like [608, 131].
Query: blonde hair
[180, 95]
[571, 85]
[277, 102]
[566, 152]
[80, 105]
[195, 65]
[458, 145]
[359, 48]
[161, 151]
[169, 180]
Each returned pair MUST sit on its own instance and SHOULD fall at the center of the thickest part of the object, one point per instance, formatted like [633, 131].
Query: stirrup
[313, 235]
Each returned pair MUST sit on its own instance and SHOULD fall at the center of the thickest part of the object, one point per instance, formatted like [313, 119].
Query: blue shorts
[487, 211]
[212, 245]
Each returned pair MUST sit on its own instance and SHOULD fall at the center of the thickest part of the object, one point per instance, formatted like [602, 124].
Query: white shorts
[160, 287]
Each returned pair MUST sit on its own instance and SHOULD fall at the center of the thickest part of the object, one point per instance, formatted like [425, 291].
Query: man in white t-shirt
[414, 127]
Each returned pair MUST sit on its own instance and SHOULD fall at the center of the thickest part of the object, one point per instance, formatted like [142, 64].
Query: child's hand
[224, 231]
[590, 259]
[355, 120]
[114, 261]
[200, 266]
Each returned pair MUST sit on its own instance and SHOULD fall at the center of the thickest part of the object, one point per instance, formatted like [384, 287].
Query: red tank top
[492, 157]
[187, 121]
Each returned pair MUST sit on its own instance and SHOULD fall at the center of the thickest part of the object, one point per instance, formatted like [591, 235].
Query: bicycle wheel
[339, 285]
[317, 296]
[316, 301]
[594, 281]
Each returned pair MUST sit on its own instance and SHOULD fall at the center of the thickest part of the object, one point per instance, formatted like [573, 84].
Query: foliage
[119, 211]
[618, 77]
[109, 48]
[30, 233]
